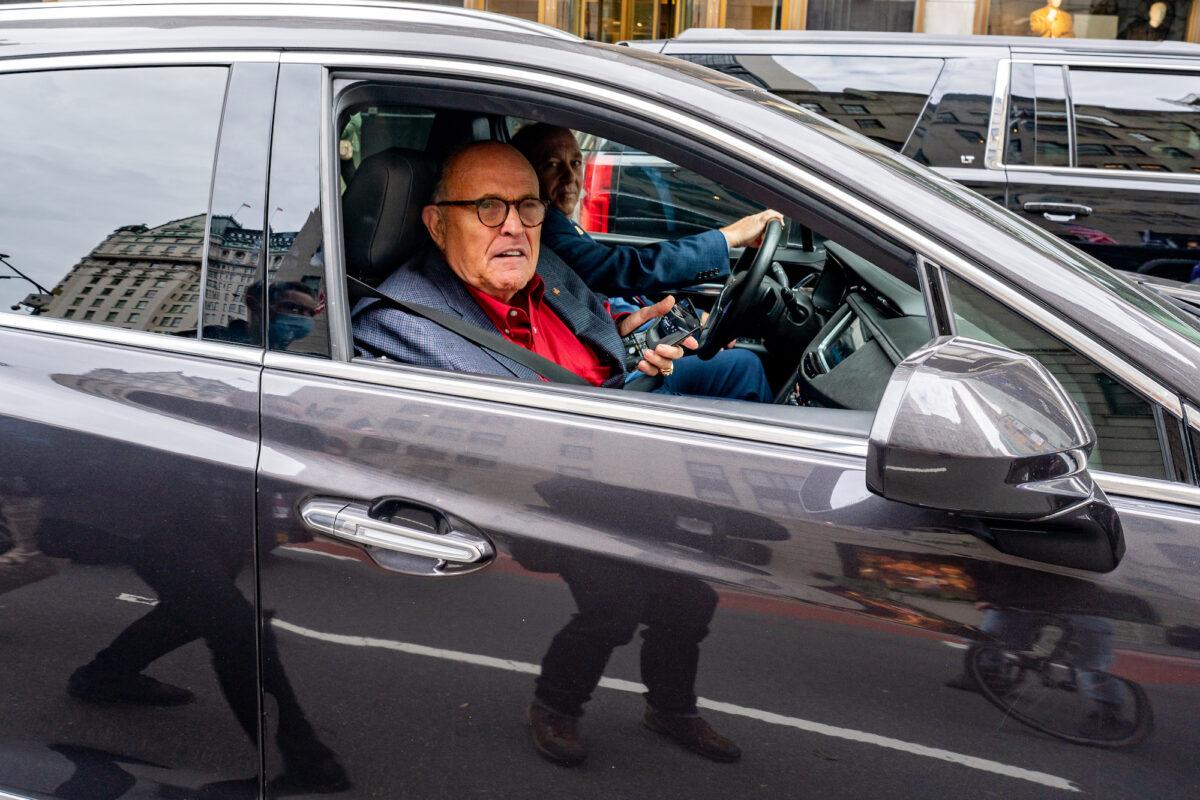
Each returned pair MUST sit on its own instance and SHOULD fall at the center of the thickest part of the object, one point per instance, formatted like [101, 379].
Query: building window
[89, 314]
[868, 123]
[97, 302]
[119, 304]
[134, 316]
[69, 313]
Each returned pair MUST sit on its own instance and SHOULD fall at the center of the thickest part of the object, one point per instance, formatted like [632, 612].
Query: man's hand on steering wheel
[660, 360]
[742, 288]
[748, 231]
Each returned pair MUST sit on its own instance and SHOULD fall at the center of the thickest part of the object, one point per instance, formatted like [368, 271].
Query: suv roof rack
[400, 11]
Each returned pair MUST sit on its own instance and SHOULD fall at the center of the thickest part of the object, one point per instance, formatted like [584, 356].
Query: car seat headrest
[381, 211]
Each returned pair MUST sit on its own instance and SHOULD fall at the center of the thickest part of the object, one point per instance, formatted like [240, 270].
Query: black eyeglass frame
[508, 204]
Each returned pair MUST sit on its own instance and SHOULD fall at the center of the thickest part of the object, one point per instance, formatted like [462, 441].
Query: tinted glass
[951, 130]
[627, 191]
[295, 303]
[1147, 121]
[879, 97]
[1126, 431]
[233, 275]
[1038, 117]
[113, 170]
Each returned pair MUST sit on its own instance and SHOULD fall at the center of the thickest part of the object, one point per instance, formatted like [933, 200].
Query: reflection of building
[148, 278]
[617, 20]
[138, 277]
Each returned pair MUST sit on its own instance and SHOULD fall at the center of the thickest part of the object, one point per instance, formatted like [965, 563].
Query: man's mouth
[512, 252]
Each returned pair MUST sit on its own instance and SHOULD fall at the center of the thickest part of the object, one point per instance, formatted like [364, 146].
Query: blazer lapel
[461, 303]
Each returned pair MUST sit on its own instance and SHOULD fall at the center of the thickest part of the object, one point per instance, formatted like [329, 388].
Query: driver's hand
[656, 361]
[749, 230]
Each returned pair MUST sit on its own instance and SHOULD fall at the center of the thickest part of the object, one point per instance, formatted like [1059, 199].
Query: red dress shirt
[528, 321]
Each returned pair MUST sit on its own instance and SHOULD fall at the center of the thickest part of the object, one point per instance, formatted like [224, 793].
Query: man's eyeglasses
[492, 211]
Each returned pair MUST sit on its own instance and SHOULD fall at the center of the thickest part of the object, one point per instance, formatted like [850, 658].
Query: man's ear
[436, 225]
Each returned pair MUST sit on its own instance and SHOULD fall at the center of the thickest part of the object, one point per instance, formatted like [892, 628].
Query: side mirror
[980, 430]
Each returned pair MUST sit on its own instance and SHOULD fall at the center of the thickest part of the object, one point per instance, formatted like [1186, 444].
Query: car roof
[728, 36]
[76, 11]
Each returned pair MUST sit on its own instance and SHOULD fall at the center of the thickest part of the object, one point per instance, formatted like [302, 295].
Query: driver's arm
[621, 270]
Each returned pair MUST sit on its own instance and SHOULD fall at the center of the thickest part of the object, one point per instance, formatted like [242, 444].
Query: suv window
[1038, 120]
[880, 97]
[1137, 120]
[114, 174]
[1126, 429]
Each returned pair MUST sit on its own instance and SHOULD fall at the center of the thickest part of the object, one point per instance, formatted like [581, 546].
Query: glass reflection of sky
[1137, 91]
[836, 75]
[84, 152]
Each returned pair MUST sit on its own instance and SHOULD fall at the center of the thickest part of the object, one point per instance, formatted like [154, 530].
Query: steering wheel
[740, 293]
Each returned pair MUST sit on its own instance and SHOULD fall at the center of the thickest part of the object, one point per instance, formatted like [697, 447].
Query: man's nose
[512, 223]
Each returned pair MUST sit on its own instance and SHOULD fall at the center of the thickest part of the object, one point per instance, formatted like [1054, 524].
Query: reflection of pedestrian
[21, 563]
[193, 578]
[613, 599]
[292, 307]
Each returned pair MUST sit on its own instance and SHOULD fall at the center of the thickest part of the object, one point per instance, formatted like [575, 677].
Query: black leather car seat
[381, 212]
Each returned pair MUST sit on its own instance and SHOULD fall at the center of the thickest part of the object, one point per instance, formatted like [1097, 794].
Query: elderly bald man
[488, 267]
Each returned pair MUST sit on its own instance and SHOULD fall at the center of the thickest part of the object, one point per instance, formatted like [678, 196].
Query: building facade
[617, 20]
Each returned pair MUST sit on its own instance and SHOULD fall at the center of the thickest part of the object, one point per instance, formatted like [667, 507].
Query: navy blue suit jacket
[428, 280]
[622, 270]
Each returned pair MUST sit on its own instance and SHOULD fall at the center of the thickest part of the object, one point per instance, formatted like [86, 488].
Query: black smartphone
[676, 325]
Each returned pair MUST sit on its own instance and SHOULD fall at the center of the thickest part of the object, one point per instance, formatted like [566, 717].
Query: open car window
[838, 307]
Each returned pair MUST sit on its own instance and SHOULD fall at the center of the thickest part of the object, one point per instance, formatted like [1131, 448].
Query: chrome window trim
[993, 156]
[163, 342]
[1148, 489]
[806, 181]
[216, 58]
[275, 9]
[1192, 415]
[571, 401]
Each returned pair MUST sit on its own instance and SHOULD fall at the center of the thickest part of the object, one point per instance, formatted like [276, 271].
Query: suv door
[127, 614]
[830, 628]
[1107, 156]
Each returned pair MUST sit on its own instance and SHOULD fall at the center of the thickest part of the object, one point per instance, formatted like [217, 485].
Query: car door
[1105, 155]
[127, 612]
[436, 534]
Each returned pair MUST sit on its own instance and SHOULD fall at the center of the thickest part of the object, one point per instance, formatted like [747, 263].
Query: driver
[620, 270]
[626, 270]
[487, 267]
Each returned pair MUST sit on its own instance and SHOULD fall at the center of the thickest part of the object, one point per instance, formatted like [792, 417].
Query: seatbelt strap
[491, 341]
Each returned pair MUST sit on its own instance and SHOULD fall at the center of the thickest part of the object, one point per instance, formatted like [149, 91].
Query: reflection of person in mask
[292, 308]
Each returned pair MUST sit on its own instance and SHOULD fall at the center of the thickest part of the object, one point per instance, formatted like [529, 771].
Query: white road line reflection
[982, 764]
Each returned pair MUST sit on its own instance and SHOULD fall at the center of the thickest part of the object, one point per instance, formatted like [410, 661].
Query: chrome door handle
[1058, 212]
[352, 522]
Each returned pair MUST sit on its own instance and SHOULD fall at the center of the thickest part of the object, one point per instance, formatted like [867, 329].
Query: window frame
[998, 135]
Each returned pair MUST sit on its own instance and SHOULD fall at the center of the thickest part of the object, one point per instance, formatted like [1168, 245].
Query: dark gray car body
[191, 460]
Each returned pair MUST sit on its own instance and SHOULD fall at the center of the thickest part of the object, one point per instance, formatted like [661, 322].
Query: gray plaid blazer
[427, 279]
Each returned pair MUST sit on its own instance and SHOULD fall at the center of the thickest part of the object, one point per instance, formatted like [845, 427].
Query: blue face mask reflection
[287, 328]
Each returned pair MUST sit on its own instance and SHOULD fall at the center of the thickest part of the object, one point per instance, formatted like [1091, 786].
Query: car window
[295, 304]
[633, 193]
[1137, 120]
[1038, 122]
[640, 226]
[880, 97]
[1126, 429]
[114, 171]
[233, 278]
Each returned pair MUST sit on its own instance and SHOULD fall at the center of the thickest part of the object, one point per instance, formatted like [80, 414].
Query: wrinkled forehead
[561, 144]
[502, 174]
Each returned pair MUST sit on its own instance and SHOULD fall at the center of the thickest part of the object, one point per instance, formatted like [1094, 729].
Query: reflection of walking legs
[202, 601]
[1093, 637]
[22, 563]
[612, 600]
